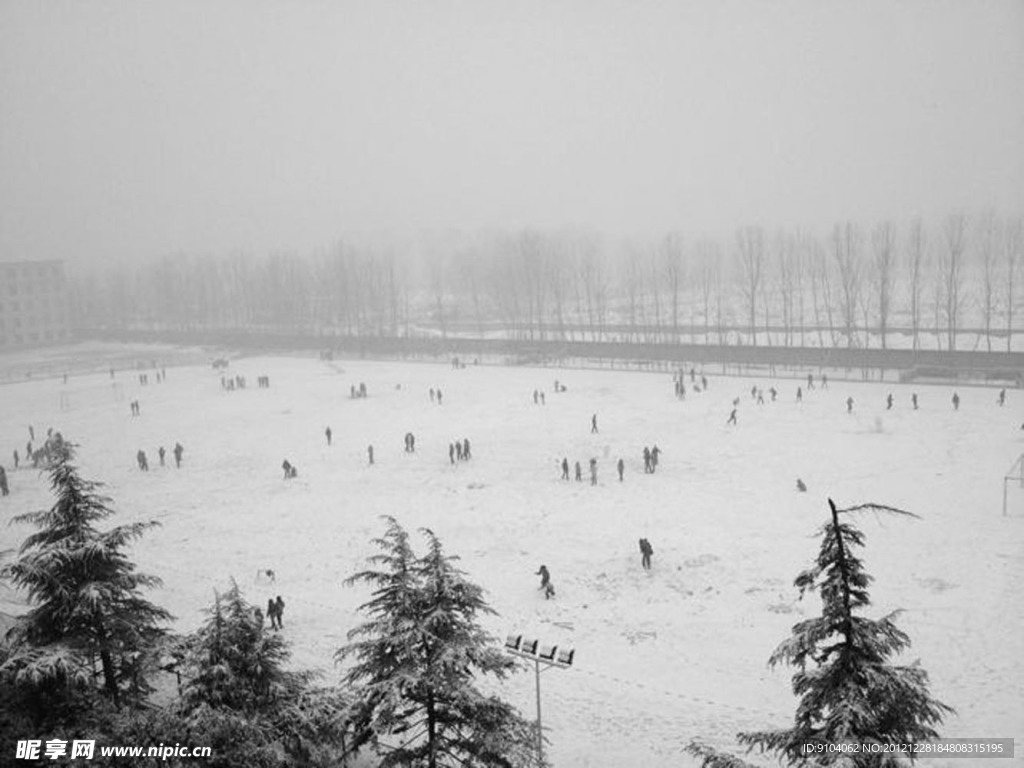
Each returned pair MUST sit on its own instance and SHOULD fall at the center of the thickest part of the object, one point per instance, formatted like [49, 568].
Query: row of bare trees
[855, 287]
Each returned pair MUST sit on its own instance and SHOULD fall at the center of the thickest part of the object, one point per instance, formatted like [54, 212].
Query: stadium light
[549, 655]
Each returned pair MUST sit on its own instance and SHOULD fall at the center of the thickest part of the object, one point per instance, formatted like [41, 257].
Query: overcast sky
[137, 129]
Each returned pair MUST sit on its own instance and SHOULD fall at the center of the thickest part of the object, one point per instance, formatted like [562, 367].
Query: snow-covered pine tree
[244, 702]
[851, 692]
[86, 595]
[232, 663]
[417, 659]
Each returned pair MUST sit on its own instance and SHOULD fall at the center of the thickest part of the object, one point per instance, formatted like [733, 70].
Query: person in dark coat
[272, 613]
[913, 399]
[579, 473]
[458, 450]
[593, 471]
[799, 395]
[451, 452]
[143, 461]
[888, 402]
[465, 449]
[161, 453]
[565, 469]
[16, 458]
[956, 401]
[647, 460]
[328, 434]
[621, 466]
[545, 582]
[655, 453]
[849, 405]
[178, 450]
[1001, 400]
[287, 467]
[732, 417]
[646, 550]
[369, 453]
[4, 490]
[279, 610]
[593, 424]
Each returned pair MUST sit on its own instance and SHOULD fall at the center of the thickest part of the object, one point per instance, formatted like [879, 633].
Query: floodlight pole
[540, 726]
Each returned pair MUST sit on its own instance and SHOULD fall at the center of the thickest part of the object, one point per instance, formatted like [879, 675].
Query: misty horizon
[134, 131]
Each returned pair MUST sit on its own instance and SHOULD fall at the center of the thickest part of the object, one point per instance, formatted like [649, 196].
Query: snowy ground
[662, 657]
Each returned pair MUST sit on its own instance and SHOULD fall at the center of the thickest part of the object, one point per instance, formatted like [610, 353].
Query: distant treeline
[948, 286]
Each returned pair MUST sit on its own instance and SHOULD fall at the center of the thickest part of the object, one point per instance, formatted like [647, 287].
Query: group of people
[650, 460]
[538, 397]
[275, 613]
[593, 470]
[357, 392]
[143, 461]
[436, 396]
[134, 405]
[290, 471]
[459, 451]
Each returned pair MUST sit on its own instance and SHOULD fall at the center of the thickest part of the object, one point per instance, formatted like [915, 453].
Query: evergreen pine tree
[240, 698]
[232, 663]
[417, 659]
[86, 595]
[851, 693]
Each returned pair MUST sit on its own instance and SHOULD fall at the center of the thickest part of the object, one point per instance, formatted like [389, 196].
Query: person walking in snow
[956, 401]
[655, 452]
[4, 490]
[579, 473]
[1002, 398]
[451, 452]
[161, 453]
[888, 402]
[799, 395]
[369, 453]
[913, 399]
[849, 405]
[621, 466]
[16, 458]
[732, 417]
[810, 381]
[647, 460]
[328, 434]
[565, 468]
[593, 424]
[593, 471]
[279, 611]
[824, 381]
[545, 582]
[465, 449]
[646, 550]
[272, 613]
[178, 450]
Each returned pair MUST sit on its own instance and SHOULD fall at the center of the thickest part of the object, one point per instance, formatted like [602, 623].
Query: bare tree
[916, 246]
[988, 235]
[787, 255]
[954, 232]
[750, 254]
[883, 241]
[846, 249]
[709, 280]
[1012, 243]
[673, 269]
[820, 288]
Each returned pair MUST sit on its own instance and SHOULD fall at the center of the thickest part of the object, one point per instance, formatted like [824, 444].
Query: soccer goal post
[1015, 475]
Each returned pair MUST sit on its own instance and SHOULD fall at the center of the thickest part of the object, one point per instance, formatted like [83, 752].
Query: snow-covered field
[662, 656]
